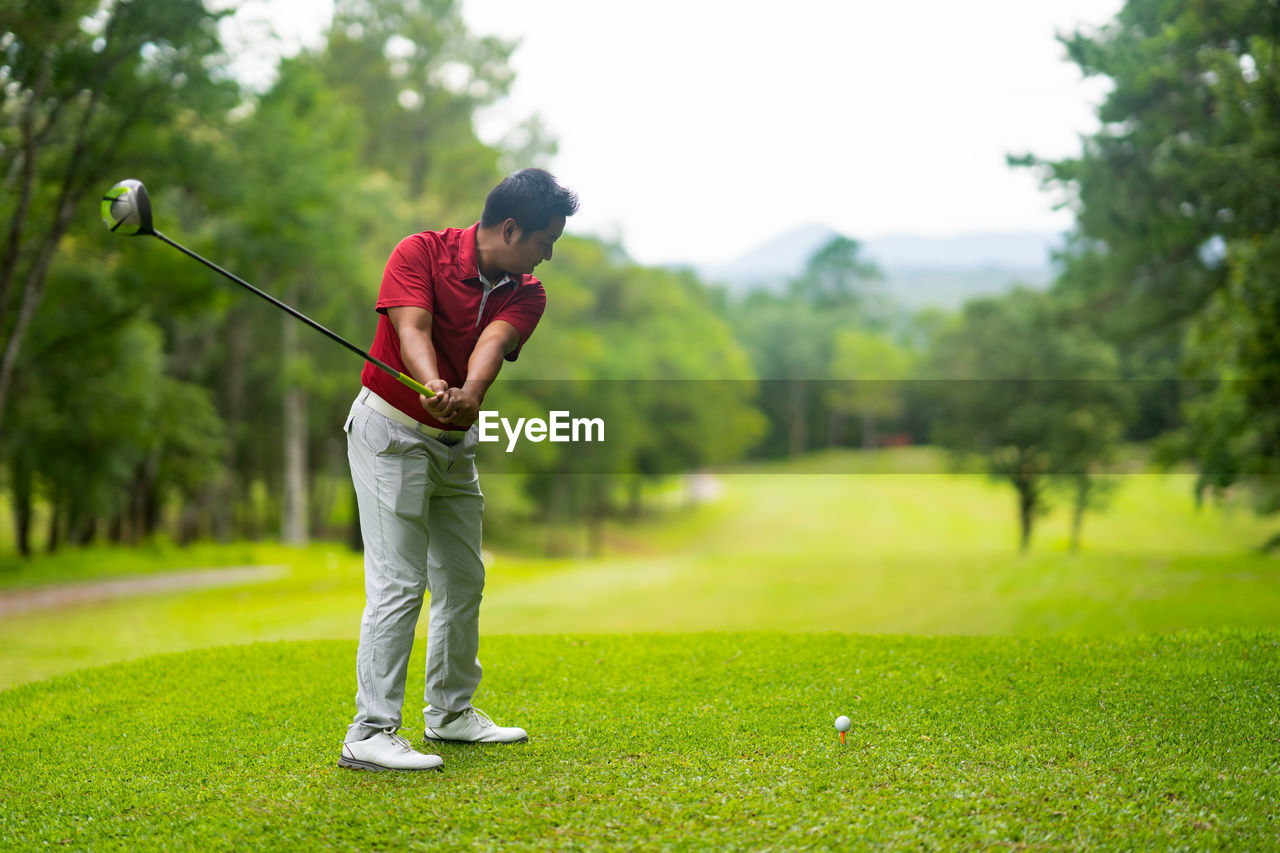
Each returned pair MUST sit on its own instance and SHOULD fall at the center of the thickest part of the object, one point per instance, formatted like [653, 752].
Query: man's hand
[461, 406]
[434, 405]
[456, 406]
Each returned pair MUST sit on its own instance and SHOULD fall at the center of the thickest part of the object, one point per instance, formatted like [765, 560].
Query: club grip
[415, 385]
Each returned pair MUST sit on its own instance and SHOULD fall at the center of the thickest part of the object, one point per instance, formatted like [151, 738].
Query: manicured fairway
[680, 741]
[843, 542]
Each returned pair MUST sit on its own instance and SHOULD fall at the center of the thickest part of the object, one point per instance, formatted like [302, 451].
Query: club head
[126, 209]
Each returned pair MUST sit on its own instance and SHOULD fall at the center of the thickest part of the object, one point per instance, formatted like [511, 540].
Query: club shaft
[382, 365]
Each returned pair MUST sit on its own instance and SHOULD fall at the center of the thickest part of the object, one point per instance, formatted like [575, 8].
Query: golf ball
[843, 723]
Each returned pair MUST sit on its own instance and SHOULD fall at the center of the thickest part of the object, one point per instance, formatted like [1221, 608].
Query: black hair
[530, 197]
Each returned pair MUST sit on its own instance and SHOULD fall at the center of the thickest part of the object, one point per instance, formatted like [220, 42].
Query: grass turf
[110, 562]
[673, 741]
[849, 550]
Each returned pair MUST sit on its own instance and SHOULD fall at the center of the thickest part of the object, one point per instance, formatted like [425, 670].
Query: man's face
[526, 250]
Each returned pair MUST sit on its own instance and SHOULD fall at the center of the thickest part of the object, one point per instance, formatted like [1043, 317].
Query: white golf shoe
[386, 751]
[474, 726]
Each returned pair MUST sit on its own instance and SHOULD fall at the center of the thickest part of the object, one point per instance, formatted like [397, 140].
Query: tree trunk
[86, 531]
[20, 491]
[1026, 512]
[146, 506]
[55, 523]
[294, 504]
[233, 402]
[13, 243]
[32, 291]
[1078, 508]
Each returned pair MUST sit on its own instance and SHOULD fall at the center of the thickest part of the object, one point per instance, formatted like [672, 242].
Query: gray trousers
[420, 516]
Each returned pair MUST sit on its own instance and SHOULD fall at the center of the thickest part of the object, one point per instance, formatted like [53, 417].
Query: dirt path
[65, 595]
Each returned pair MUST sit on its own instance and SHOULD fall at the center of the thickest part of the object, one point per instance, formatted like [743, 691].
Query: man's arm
[413, 327]
[497, 339]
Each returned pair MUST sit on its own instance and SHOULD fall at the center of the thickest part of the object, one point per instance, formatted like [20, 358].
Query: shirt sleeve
[409, 277]
[524, 313]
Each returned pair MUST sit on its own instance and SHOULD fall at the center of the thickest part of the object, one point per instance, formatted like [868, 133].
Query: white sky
[694, 130]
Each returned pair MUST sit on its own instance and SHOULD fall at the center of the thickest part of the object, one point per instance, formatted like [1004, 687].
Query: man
[454, 304]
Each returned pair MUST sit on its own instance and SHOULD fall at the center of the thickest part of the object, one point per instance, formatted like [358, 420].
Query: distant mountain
[982, 250]
[920, 270]
[777, 260]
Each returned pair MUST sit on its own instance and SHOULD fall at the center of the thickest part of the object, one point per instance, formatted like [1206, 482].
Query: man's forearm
[483, 367]
[419, 355]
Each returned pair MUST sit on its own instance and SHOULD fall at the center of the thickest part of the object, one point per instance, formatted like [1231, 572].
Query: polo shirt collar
[469, 259]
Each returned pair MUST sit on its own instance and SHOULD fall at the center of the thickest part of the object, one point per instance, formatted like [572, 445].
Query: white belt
[382, 407]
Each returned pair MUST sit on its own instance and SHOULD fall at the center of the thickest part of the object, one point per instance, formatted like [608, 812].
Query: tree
[295, 236]
[1178, 229]
[417, 76]
[837, 277]
[1031, 396]
[88, 87]
[791, 337]
[1234, 430]
[92, 425]
[870, 370]
[99, 432]
[1087, 491]
[790, 346]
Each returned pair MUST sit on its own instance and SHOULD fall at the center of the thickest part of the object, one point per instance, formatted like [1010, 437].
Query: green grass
[103, 562]
[676, 741]
[320, 596]
[845, 551]
[1122, 698]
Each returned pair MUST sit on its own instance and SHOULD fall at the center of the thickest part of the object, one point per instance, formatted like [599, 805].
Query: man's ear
[510, 231]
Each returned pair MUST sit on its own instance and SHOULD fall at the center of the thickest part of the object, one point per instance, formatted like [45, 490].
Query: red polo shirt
[439, 271]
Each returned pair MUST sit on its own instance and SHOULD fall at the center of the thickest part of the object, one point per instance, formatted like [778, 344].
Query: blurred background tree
[791, 338]
[1031, 396]
[90, 91]
[871, 371]
[1177, 245]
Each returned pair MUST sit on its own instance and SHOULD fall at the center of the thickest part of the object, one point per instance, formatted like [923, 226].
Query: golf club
[126, 209]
